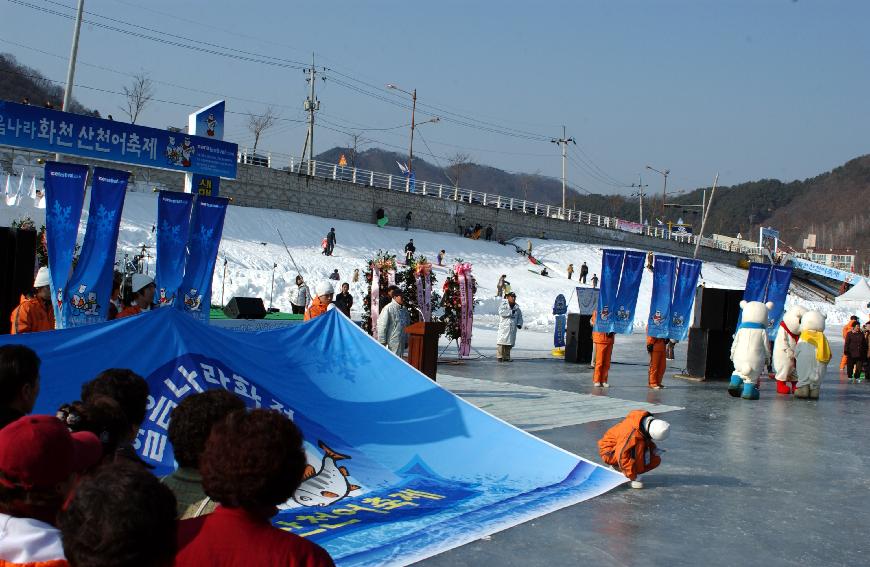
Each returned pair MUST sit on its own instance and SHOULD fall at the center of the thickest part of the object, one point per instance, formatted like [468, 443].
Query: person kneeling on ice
[783, 349]
[629, 445]
[812, 355]
[510, 319]
[750, 351]
[322, 303]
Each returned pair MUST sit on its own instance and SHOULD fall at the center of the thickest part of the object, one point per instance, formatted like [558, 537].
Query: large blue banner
[777, 290]
[87, 295]
[629, 286]
[658, 324]
[173, 226]
[64, 197]
[756, 282]
[611, 268]
[826, 271]
[684, 297]
[48, 130]
[202, 248]
[425, 470]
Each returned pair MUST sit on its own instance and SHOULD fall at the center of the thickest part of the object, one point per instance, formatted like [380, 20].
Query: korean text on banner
[87, 295]
[206, 229]
[64, 198]
[173, 227]
[658, 324]
[611, 268]
[684, 298]
[629, 287]
[777, 290]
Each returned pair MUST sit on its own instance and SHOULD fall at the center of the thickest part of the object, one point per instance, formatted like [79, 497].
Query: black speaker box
[578, 339]
[717, 309]
[709, 354]
[17, 263]
[245, 308]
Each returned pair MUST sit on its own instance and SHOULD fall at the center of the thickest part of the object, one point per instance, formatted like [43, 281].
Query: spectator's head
[324, 291]
[396, 293]
[19, 377]
[141, 291]
[853, 319]
[38, 458]
[332, 229]
[193, 420]
[41, 284]
[299, 280]
[855, 325]
[511, 297]
[253, 460]
[345, 287]
[122, 516]
[125, 387]
[102, 416]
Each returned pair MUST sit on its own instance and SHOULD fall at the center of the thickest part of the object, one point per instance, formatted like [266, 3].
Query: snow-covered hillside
[251, 245]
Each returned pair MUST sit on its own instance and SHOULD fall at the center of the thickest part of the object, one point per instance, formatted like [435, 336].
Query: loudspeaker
[733, 297]
[245, 308]
[578, 339]
[717, 309]
[17, 264]
[709, 354]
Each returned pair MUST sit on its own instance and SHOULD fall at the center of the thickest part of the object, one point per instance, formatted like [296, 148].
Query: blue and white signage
[826, 271]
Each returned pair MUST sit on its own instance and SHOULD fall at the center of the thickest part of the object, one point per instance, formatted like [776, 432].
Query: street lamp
[664, 174]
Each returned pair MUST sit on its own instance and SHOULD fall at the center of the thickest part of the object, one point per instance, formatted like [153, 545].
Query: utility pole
[71, 69]
[640, 194]
[664, 174]
[706, 212]
[311, 106]
[411, 149]
[563, 142]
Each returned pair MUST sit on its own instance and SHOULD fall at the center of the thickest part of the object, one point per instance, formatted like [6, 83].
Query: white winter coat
[509, 321]
[300, 295]
[750, 352]
[391, 327]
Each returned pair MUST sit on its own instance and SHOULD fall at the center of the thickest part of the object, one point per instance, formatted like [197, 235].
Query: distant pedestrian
[499, 287]
[594, 281]
[392, 322]
[570, 270]
[650, 259]
[355, 277]
[334, 275]
[409, 251]
[489, 231]
[440, 257]
[510, 319]
[299, 296]
[344, 300]
[855, 349]
[330, 241]
[529, 248]
[584, 271]
[407, 220]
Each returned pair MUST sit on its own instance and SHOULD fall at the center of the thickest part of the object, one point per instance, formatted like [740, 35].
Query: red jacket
[32, 316]
[628, 448]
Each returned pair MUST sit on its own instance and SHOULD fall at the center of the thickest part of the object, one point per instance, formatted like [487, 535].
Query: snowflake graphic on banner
[60, 217]
[105, 221]
[204, 236]
[169, 233]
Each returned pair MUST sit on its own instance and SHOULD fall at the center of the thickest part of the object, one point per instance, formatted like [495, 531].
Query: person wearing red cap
[19, 382]
[38, 459]
[35, 312]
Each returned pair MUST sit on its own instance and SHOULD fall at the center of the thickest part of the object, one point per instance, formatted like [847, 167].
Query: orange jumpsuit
[129, 311]
[603, 351]
[316, 309]
[657, 362]
[628, 448]
[846, 329]
[31, 316]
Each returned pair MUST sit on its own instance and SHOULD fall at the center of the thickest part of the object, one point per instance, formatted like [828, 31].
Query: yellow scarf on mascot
[818, 339]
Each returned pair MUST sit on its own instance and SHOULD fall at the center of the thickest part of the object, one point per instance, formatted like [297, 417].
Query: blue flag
[64, 197]
[611, 268]
[629, 286]
[756, 282]
[777, 290]
[684, 298]
[173, 226]
[423, 471]
[202, 248]
[658, 324]
[86, 299]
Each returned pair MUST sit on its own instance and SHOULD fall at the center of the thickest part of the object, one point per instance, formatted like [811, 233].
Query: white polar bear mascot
[783, 349]
[812, 355]
[750, 351]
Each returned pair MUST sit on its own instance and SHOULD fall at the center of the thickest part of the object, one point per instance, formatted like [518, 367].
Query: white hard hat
[658, 429]
[42, 278]
[324, 288]
[141, 281]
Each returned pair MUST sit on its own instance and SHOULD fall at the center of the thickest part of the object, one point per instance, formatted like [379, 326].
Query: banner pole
[704, 220]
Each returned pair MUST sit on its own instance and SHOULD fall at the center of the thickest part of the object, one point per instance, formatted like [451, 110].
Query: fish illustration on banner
[401, 470]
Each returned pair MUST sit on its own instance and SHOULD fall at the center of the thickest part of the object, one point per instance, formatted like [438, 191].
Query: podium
[423, 346]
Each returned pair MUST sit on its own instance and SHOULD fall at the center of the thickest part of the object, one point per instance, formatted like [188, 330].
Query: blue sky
[749, 88]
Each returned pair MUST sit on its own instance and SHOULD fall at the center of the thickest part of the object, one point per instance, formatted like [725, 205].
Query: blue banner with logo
[64, 198]
[48, 130]
[658, 324]
[611, 268]
[756, 282]
[684, 297]
[173, 227]
[629, 286]
[560, 308]
[422, 471]
[87, 295]
[777, 290]
[202, 248]
[825, 271]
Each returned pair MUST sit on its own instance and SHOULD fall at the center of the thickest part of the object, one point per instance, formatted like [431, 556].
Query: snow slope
[251, 245]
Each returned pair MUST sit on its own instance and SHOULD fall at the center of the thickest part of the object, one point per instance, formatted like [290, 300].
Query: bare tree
[459, 164]
[259, 123]
[138, 94]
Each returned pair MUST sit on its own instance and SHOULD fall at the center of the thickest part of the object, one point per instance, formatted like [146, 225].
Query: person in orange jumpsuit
[629, 446]
[846, 328]
[322, 303]
[657, 363]
[142, 296]
[603, 350]
[34, 313]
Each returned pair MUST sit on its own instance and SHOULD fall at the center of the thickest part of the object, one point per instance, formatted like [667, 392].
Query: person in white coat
[300, 296]
[510, 319]
[392, 322]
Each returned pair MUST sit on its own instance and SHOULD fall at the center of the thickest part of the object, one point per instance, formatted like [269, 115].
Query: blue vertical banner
[611, 268]
[777, 290]
[560, 308]
[87, 295]
[629, 286]
[202, 248]
[756, 282]
[684, 297]
[658, 324]
[209, 123]
[173, 226]
[64, 197]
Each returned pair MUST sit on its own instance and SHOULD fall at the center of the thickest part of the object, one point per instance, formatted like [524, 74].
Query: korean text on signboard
[44, 129]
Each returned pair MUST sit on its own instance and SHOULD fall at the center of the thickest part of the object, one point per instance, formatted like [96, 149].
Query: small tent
[856, 298]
